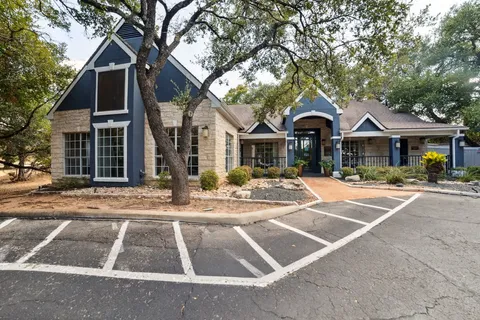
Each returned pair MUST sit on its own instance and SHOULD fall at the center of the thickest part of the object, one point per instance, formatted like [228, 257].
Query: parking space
[183, 252]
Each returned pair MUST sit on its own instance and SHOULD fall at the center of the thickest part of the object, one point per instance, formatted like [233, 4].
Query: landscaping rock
[476, 183]
[412, 181]
[291, 186]
[242, 194]
[353, 178]
[400, 185]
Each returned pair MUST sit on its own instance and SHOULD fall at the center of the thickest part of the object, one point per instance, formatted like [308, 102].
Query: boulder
[413, 181]
[242, 194]
[400, 185]
[353, 178]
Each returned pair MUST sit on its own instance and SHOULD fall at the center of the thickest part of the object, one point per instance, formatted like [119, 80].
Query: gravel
[450, 186]
[278, 194]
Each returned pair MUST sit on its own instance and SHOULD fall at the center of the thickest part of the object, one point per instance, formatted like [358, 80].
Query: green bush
[371, 174]
[273, 173]
[164, 180]
[474, 171]
[290, 173]
[413, 170]
[467, 178]
[346, 172]
[237, 177]
[67, 183]
[394, 176]
[248, 170]
[209, 180]
[361, 171]
[258, 172]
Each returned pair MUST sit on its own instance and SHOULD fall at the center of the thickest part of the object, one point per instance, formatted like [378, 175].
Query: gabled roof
[244, 112]
[357, 112]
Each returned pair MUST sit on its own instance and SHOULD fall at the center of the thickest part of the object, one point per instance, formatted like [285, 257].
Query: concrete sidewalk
[331, 190]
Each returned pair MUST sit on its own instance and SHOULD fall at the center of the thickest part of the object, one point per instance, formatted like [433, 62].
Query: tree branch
[6, 163]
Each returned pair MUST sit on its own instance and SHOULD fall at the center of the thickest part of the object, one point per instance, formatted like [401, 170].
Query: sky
[81, 47]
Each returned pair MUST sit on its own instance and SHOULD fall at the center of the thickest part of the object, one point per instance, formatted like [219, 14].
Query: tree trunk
[180, 186]
[21, 171]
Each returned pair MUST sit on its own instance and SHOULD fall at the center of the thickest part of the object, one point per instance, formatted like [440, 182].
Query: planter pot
[300, 170]
[432, 177]
[433, 172]
[327, 172]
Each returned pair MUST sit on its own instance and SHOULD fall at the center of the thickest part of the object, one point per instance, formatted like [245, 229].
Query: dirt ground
[8, 188]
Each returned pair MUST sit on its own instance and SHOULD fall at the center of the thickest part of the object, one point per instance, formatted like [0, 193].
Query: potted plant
[299, 164]
[327, 166]
[433, 162]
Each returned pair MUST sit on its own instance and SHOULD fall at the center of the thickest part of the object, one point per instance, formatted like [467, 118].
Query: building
[100, 130]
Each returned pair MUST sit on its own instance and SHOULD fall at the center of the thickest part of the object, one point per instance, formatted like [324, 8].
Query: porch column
[290, 151]
[337, 155]
[457, 143]
[394, 150]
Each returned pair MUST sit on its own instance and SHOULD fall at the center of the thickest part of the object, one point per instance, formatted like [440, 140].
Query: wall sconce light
[205, 132]
[461, 143]
[323, 142]
[397, 144]
[337, 145]
[290, 146]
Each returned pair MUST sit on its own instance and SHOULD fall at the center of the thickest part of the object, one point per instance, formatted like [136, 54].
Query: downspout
[286, 150]
[454, 147]
[341, 146]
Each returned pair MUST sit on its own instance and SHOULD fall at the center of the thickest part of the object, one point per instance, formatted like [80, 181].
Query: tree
[32, 72]
[316, 38]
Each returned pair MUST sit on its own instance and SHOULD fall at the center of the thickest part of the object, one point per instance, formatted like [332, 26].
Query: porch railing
[410, 161]
[265, 162]
[369, 161]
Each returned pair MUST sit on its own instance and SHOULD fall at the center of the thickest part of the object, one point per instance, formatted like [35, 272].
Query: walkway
[331, 190]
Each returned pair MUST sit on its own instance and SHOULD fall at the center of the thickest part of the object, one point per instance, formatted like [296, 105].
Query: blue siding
[459, 152]
[394, 152]
[262, 128]
[80, 95]
[113, 53]
[368, 125]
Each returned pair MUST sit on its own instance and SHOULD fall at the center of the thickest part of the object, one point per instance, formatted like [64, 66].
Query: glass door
[307, 149]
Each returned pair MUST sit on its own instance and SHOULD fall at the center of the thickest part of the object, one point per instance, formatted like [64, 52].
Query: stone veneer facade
[211, 150]
[72, 121]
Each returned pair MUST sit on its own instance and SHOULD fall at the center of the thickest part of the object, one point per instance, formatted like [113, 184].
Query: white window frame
[64, 156]
[155, 156]
[229, 160]
[107, 125]
[112, 67]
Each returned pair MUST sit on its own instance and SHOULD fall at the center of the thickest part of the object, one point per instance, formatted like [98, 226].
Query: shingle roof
[244, 113]
[389, 119]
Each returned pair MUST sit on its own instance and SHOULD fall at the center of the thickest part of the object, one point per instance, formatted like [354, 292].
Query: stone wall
[72, 121]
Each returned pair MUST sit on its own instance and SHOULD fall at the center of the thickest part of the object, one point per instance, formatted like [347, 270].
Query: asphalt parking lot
[373, 258]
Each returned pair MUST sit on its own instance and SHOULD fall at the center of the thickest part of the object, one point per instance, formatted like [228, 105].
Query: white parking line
[403, 200]
[6, 222]
[303, 233]
[268, 258]
[182, 249]
[337, 216]
[367, 205]
[42, 244]
[247, 265]
[117, 245]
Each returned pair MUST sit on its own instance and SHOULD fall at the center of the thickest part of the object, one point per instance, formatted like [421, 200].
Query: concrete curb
[196, 217]
[413, 189]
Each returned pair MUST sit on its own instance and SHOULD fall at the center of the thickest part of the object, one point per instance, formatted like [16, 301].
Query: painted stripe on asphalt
[268, 258]
[309, 189]
[277, 275]
[367, 205]
[6, 222]
[250, 267]
[403, 200]
[42, 244]
[303, 233]
[182, 249]
[117, 245]
[337, 216]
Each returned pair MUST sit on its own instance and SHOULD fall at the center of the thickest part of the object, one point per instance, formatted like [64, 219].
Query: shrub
[164, 180]
[248, 170]
[467, 178]
[346, 172]
[258, 172]
[273, 173]
[370, 174]
[474, 171]
[209, 180]
[67, 183]
[413, 170]
[361, 170]
[290, 173]
[394, 176]
[237, 177]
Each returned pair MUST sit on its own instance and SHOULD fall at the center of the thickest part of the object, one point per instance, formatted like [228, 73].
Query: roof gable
[368, 123]
[112, 53]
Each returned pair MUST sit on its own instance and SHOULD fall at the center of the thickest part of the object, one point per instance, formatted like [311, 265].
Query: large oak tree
[316, 39]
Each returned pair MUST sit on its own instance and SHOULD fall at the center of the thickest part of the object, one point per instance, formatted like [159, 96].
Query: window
[175, 134]
[228, 152]
[111, 153]
[77, 154]
[267, 150]
[111, 90]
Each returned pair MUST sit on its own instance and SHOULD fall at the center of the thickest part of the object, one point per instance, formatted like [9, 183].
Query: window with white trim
[266, 150]
[175, 135]
[111, 90]
[228, 152]
[111, 153]
[77, 154]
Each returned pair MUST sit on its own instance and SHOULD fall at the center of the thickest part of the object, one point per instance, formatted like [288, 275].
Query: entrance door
[307, 148]
[404, 152]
